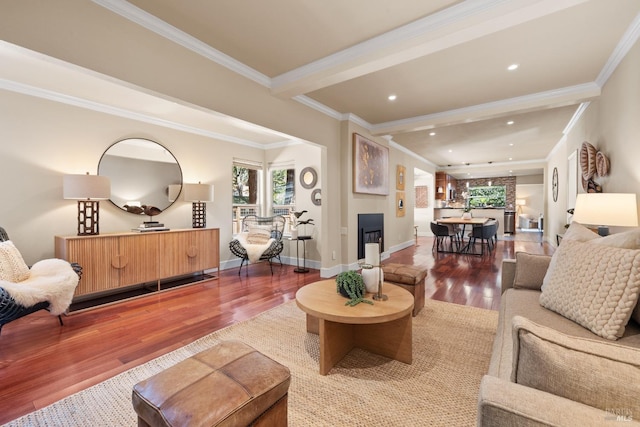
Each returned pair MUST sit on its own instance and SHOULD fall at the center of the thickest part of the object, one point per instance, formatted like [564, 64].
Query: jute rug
[451, 350]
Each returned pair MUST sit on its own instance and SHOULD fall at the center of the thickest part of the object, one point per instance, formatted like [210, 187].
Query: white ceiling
[445, 60]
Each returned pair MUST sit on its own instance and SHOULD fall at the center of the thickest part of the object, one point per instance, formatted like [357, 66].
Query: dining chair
[486, 233]
[441, 233]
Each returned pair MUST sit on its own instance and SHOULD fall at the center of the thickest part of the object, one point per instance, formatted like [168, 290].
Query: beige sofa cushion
[596, 286]
[12, 265]
[600, 374]
[530, 270]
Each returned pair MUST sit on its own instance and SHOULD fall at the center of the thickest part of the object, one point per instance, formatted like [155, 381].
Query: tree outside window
[493, 195]
[283, 186]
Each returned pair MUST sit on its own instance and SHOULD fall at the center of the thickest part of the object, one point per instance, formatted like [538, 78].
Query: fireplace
[370, 229]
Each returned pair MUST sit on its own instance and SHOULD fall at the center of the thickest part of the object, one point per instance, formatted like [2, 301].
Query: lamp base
[88, 216]
[199, 211]
[603, 230]
[382, 297]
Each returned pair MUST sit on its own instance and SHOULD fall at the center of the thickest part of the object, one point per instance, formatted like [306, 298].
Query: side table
[304, 268]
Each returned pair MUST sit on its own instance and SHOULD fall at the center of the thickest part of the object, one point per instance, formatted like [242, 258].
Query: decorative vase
[466, 215]
[371, 278]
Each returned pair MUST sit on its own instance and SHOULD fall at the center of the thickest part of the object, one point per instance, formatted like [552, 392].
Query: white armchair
[49, 284]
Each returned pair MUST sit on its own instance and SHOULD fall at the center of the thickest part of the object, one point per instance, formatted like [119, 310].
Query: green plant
[351, 285]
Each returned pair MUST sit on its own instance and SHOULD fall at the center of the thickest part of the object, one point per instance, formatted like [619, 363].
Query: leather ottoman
[410, 278]
[231, 384]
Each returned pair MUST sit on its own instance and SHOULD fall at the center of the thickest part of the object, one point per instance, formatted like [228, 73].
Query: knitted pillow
[628, 239]
[596, 286]
[12, 266]
[258, 235]
[596, 373]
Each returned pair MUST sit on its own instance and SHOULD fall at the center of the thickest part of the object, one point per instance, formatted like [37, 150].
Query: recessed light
[432, 134]
[451, 151]
[510, 122]
[392, 97]
[511, 144]
[510, 158]
[512, 67]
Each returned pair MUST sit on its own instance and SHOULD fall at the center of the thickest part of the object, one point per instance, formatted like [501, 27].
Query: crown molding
[160, 27]
[399, 147]
[629, 38]
[117, 111]
[576, 116]
[312, 103]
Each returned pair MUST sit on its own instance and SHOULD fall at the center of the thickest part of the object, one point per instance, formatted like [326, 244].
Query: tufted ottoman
[231, 384]
[410, 278]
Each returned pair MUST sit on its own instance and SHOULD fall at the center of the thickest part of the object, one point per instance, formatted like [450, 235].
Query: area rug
[451, 350]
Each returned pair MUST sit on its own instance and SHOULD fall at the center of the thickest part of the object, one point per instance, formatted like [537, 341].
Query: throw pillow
[12, 265]
[258, 235]
[595, 286]
[628, 239]
[530, 270]
[596, 373]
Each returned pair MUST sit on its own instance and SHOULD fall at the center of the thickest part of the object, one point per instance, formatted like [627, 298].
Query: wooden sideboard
[114, 262]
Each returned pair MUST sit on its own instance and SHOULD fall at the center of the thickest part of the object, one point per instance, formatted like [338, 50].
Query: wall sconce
[605, 209]
[199, 194]
[87, 190]
[489, 183]
[440, 190]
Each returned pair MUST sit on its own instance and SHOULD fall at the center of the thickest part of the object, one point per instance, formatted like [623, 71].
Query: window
[283, 187]
[493, 195]
[245, 188]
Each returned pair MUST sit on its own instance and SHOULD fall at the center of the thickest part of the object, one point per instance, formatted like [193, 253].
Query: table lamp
[199, 194]
[87, 190]
[519, 204]
[606, 209]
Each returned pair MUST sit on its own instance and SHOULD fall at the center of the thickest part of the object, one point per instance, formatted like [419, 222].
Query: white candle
[371, 252]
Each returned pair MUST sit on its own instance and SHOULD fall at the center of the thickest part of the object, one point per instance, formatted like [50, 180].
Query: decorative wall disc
[602, 164]
[588, 160]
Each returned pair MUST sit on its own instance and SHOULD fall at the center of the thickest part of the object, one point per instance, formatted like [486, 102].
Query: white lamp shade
[521, 202]
[86, 187]
[198, 192]
[612, 209]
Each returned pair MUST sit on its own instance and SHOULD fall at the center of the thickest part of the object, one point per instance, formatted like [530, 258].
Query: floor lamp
[87, 190]
[199, 194]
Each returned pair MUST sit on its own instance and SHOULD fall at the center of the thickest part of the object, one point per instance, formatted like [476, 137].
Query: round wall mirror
[308, 177]
[144, 175]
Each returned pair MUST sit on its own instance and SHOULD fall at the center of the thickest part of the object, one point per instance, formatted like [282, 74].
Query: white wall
[611, 124]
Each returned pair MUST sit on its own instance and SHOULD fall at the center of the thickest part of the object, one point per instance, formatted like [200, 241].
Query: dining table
[473, 221]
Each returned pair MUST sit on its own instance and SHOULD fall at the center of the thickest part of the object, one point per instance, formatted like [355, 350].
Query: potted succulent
[351, 285]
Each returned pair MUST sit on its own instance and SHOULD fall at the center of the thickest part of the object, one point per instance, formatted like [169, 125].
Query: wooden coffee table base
[390, 339]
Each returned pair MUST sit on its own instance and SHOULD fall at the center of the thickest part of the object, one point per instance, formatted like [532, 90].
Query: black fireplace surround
[370, 229]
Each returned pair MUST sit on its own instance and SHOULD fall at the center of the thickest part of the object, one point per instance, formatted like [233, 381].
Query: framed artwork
[400, 203]
[401, 173]
[422, 196]
[370, 167]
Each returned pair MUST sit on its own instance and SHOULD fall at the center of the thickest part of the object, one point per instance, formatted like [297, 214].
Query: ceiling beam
[458, 24]
[523, 104]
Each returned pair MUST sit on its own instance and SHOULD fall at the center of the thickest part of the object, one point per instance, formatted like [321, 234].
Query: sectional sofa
[567, 348]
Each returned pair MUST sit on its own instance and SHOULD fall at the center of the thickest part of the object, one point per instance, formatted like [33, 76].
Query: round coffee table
[383, 328]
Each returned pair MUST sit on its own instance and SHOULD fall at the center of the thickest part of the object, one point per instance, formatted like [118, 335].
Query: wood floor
[41, 362]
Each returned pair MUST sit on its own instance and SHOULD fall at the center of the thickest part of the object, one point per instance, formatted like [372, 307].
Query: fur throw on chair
[52, 280]
[254, 250]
